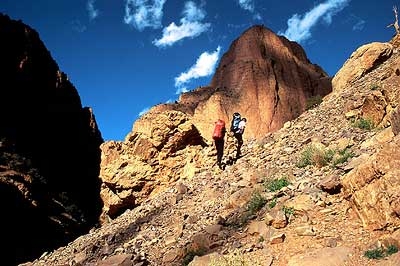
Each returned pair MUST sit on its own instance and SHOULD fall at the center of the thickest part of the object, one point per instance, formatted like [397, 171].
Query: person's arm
[242, 126]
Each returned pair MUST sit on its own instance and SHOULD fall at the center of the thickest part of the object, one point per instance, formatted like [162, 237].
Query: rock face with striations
[165, 148]
[265, 77]
[49, 150]
[373, 185]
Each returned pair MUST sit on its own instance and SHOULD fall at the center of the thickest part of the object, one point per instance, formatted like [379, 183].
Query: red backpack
[219, 129]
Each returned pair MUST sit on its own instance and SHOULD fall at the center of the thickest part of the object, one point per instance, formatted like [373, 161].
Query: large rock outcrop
[265, 77]
[373, 186]
[362, 61]
[378, 104]
[164, 148]
[49, 150]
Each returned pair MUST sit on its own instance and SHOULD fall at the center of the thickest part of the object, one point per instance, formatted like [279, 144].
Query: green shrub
[313, 101]
[256, 203]
[379, 253]
[312, 155]
[374, 253]
[327, 156]
[374, 86]
[364, 123]
[306, 156]
[289, 211]
[392, 249]
[344, 155]
[272, 203]
[276, 184]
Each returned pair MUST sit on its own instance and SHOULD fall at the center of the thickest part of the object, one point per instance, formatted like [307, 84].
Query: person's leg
[219, 144]
[239, 146]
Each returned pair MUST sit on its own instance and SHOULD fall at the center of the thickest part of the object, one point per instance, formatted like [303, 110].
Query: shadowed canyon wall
[49, 150]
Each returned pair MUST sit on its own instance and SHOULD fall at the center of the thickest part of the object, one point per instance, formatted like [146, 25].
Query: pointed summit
[263, 76]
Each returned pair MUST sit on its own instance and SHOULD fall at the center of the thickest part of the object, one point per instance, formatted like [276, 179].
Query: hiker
[218, 136]
[238, 134]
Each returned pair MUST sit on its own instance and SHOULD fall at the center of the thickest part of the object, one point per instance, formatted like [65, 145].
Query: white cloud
[247, 5]
[192, 13]
[173, 33]
[141, 14]
[257, 16]
[93, 12]
[299, 27]
[359, 25]
[190, 26]
[204, 67]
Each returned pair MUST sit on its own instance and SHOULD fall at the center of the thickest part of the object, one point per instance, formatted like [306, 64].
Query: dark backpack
[235, 122]
[219, 130]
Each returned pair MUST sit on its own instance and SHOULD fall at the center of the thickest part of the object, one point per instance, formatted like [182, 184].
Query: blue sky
[125, 56]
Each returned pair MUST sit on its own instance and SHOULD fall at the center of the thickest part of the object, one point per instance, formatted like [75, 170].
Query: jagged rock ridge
[49, 150]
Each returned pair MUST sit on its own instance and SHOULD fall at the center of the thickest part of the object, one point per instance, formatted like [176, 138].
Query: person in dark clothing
[239, 136]
[218, 136]
[219, 145]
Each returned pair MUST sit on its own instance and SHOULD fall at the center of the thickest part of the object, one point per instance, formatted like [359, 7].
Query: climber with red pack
[218, 136]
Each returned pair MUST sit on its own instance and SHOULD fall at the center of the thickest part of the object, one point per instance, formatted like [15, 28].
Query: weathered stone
[325, 256]
[331, 184]
[280, 220]
[301, 203]
[277, 238]
[241, 197]
[363, 60]
[171, 255]
[373, 185]
[204, 260]
[260, 228]
[395, 120]
[305, 230]
[117, 260]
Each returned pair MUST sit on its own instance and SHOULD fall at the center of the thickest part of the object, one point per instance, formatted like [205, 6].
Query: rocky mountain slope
[49, 150]
[322, 190]
[263, 76]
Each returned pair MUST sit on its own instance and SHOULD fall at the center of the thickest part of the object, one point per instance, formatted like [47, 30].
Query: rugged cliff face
[322, 190]
[49, 149]
[265, 77]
